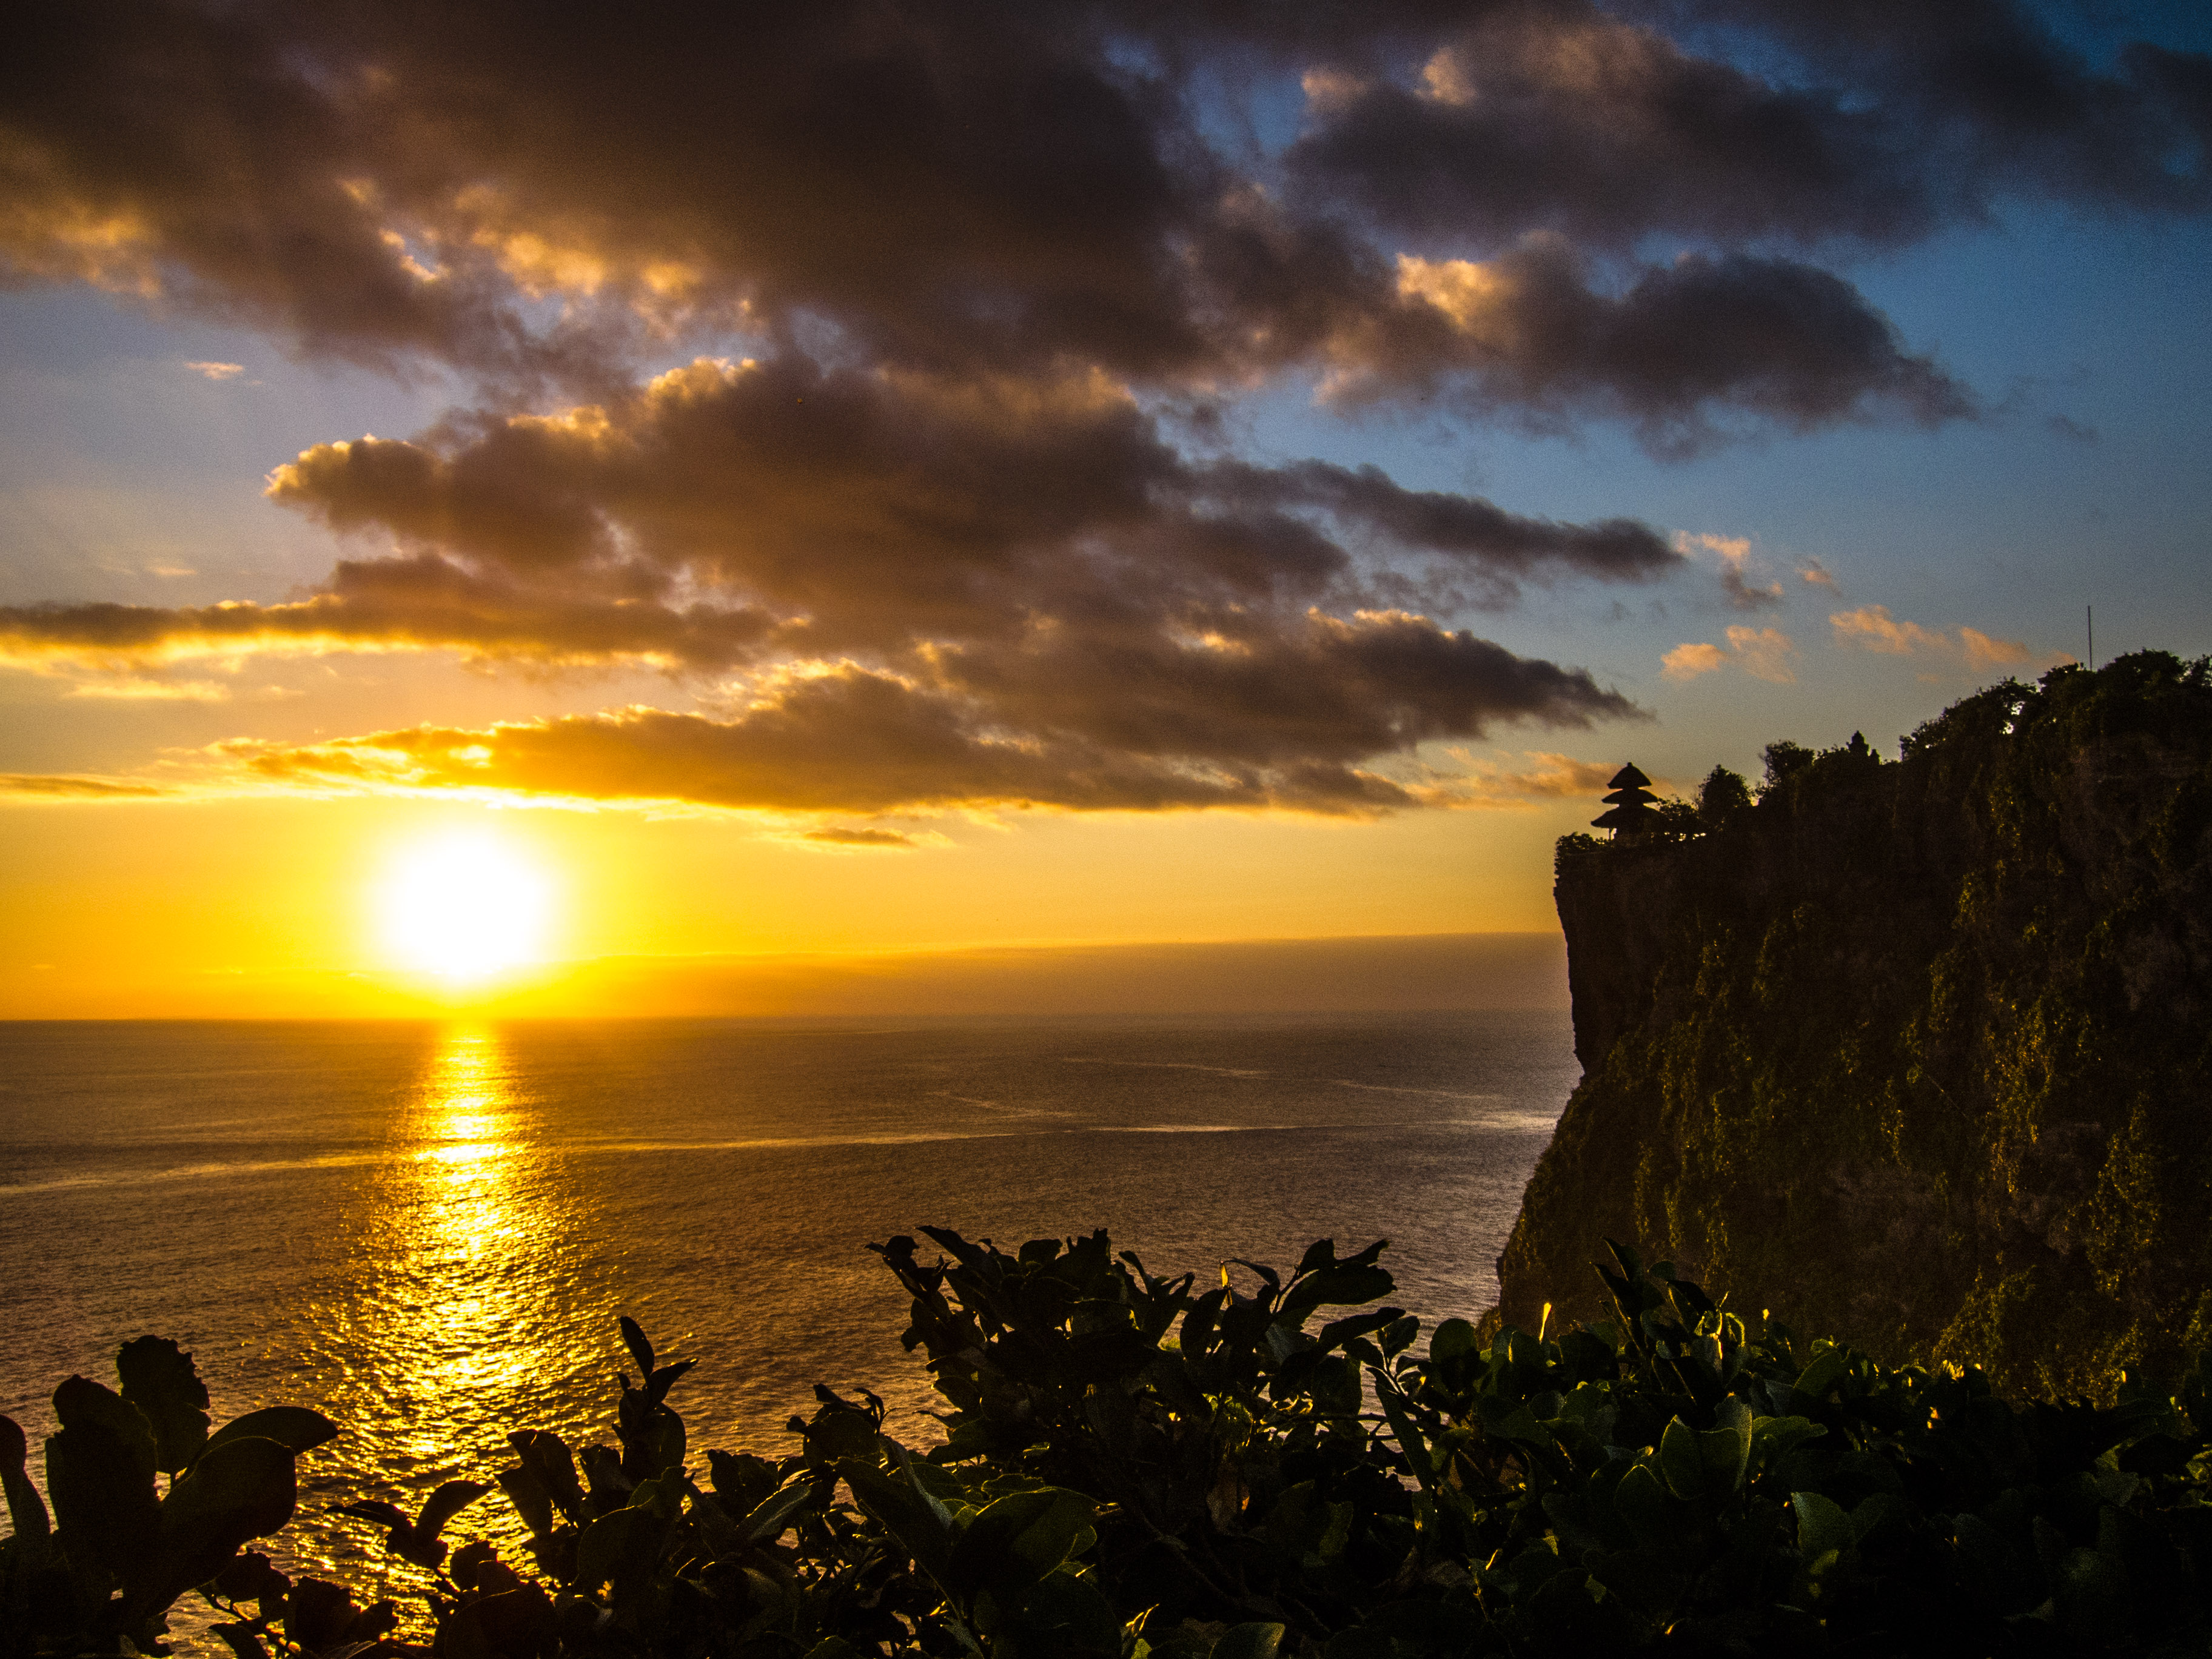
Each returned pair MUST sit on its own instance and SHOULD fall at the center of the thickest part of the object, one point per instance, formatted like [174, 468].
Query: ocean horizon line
[1461, 972]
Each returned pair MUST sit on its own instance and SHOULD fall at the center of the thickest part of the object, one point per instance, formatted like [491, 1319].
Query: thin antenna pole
[2092, 611]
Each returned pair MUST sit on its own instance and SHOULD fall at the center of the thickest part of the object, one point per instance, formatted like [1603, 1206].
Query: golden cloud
[1871, 628]
[26, 785]
[1762, 653]
[1689, 661]
[1285, 730]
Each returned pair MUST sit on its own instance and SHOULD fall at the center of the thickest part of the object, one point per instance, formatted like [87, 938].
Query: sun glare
[465, 907]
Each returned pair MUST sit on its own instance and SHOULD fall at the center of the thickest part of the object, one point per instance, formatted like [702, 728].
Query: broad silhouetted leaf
[532, 1501]
[99, 1475]
[1251, 1641]
[1726, 1448]
[1268, 1276]
[653, 1436]
[1822, 1525]
[1339, 1331]
[768, 1521]
[27, 1510]
[1451, 1339]
[294, 1427]
[658, 1385]
[619, 1547]
[416, 1538]
[1016, 1540]
[1063, 1615]
[633, 1335]
[1348, 1284]
[249, 1577]
[160, 1379]
[610, 1487]
[317, 1614]
[741, 1480]
[235, 1493]
[1824, 1373]
[1773, 1438]
[1681, 1461]
[1640, 1500]
[1321, 1252]
[447, 1502]
[918, 1525]
[547, 1456]
[519, 1620]
[835, 1435]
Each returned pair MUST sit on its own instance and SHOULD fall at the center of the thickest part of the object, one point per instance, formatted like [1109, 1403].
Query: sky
[845, 482]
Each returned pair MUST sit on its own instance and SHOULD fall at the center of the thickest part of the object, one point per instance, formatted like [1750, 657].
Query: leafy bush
[1135, 1466]
[117, 1551]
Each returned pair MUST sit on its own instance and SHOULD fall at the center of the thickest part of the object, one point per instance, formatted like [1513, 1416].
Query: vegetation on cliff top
[1915, 1049]
[1135, 1466]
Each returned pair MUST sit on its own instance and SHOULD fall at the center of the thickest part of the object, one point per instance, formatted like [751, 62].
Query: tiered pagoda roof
[1631, 803]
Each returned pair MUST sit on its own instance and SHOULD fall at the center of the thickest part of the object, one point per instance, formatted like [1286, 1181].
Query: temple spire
[1630, 804]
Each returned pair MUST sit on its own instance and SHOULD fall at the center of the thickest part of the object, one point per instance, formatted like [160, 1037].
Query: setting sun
[464, 906]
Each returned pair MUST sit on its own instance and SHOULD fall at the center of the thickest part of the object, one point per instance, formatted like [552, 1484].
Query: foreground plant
[1134, 1467]
[119, 1548]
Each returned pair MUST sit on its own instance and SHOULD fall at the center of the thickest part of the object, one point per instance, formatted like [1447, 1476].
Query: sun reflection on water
[476, 1305]
[470, 1232]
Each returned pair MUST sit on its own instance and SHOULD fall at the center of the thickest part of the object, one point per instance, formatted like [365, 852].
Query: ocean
[427, 1230]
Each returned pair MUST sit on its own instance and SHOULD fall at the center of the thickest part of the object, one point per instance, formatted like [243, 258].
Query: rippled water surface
[427, 1232]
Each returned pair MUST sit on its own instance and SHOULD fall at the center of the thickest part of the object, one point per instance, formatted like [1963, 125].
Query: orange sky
[275, 907]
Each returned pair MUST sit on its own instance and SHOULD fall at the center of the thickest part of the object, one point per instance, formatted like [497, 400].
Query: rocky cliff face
[1918, 1053]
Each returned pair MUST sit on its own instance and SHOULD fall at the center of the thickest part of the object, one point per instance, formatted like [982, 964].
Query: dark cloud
[1278, 694]
[202, 157]
[1015, 588]
[538, 194]
[733, 513]
[1993, 92]
[1893, 120]
[848, 740]
[946, 185]
[418, 603]
[1502, 545]
[1677, 354]
[1745, 595]
[1599, 130]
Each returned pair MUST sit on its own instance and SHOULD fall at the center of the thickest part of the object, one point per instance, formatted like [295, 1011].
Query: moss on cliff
[1920, 1047]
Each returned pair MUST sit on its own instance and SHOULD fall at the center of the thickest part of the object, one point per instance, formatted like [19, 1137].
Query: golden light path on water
[486, 1260]
[472, 1313]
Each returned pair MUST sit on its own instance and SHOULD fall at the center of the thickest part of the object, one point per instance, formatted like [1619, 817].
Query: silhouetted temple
[1630, 803]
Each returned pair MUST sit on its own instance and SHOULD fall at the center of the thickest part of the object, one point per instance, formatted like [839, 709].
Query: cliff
[1920, 1048]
